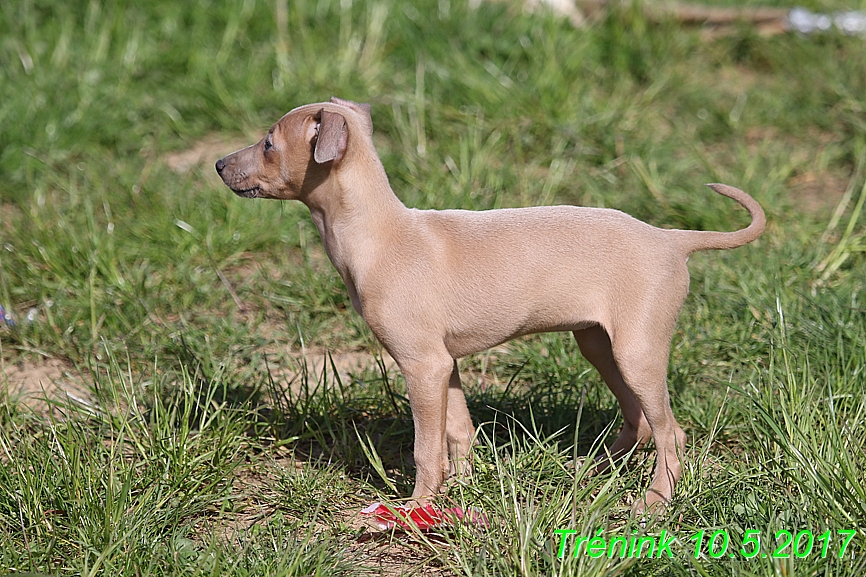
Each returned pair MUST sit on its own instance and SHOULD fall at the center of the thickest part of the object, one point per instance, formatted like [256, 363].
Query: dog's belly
[468, 343]
[479, 321]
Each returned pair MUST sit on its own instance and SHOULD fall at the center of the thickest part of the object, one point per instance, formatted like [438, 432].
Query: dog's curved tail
[695, 240]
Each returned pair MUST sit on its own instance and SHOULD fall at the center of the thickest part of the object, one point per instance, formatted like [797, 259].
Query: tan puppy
[437, 285]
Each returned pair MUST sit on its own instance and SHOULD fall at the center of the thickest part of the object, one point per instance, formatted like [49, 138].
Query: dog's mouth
[253, 192]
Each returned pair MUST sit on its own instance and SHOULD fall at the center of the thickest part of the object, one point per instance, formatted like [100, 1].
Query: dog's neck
[344, 208]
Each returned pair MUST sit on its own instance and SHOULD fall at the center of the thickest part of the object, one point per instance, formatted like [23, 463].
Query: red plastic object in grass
[423, 518]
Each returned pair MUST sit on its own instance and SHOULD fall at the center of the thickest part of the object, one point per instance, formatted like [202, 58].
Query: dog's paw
[652, 506]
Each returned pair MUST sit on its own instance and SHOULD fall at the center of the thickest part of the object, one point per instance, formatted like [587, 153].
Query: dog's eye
[269, 144]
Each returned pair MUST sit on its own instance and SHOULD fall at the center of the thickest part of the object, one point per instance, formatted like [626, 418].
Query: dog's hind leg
[595, 346]
[643, 362]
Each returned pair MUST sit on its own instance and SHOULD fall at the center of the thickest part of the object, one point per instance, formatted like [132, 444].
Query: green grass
[208, 445]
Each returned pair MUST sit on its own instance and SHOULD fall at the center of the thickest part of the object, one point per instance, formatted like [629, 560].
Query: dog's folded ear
[360, 107]
[331, 142]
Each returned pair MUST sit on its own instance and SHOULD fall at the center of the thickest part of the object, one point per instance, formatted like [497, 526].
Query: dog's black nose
[220, 164]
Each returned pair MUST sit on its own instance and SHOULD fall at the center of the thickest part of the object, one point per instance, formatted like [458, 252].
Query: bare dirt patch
[347, 363]
[201, 156]
[44, 386]
[818, 192]
[205, 152]
[9, 213]
[287, 366]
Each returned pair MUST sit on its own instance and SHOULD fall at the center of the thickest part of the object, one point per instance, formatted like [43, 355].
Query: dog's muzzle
[250, 192]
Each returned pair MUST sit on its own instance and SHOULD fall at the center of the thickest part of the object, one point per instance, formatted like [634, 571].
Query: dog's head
[299, 152]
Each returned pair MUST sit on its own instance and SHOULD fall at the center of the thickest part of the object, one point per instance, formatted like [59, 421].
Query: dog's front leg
[427, 383]
[458, 428]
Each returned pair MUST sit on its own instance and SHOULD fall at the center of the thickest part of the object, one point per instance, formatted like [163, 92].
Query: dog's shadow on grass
[364, 420]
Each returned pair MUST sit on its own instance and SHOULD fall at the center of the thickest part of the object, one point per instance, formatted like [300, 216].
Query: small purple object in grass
[6, 317]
